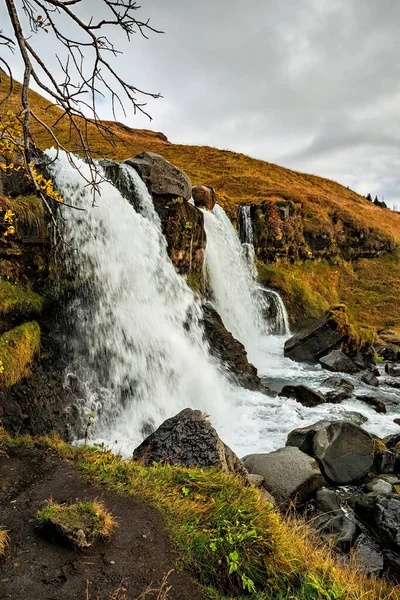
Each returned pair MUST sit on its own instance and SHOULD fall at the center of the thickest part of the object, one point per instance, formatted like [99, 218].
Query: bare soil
[139, 554]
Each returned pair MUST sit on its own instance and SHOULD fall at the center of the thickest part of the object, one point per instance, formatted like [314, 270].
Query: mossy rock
[18, 348]
[18, 302]
[78, 525]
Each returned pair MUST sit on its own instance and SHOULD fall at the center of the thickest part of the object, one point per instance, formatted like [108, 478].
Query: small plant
[188, 225]
[79, 524]
[4, 541]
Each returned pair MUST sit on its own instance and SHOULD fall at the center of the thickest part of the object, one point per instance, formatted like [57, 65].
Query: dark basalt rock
[392, 370]
[188, 439]
[160, 176]
[370, 379]
[378, 405]
[382, 514]
[343, 389]
[338, 362]
[204, 196]
[392, 383]
[317, 340]
[229, 350]
[343, 450]
[288, 474]
[303, 394]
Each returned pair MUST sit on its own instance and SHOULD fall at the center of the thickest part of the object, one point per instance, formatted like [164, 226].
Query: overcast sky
[313, 85]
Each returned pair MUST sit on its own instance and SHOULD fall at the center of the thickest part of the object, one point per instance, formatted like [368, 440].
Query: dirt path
[138, 554]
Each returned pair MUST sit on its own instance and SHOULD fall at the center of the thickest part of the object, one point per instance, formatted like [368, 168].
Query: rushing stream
[139, 352]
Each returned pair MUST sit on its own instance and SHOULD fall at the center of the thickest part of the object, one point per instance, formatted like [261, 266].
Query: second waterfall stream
[138, 354]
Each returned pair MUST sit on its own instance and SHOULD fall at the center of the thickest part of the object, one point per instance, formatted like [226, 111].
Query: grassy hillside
[320, 209]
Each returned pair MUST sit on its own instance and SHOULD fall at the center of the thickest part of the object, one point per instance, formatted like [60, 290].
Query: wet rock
[397, 421]
[354, 417]
[343, 389]
[339, 383]
[392, 370]
[327, 501]
[369, 556]
[204, 196]
[382, 514]
[378, 405]
[317, 340]
[188, 439]
[338, 362]
[392, 383]
[288, 473]
[303, 394]
[391, 561]
[229, 350]
[343, 450]
[303, 437]
[333, 522]
[160, 176]
[385, 461]
[370, 379]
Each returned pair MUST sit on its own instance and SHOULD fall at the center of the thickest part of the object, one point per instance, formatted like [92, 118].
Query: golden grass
[225, 532]
[18, 348]
[29, 215]
[237, 178]
[4, 541]
[370, 288]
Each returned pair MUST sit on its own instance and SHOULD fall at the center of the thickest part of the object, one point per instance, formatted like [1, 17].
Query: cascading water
[275, 311]
[138, 330]
[139, 354]
[236, 294]
[246, 236]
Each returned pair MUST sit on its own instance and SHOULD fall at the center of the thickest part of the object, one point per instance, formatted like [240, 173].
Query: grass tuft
[90, 517]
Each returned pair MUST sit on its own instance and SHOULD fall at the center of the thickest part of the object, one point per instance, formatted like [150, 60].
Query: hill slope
[323, 220]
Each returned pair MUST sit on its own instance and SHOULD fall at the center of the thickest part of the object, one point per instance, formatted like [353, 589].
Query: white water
[139, 350]
[139, 340]
[236, 295]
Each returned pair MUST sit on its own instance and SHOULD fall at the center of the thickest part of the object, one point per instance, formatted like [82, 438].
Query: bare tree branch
[87, 73]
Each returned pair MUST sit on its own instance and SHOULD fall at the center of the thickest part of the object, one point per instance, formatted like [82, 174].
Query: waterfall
[139, 350]
[277, 315]
[235, 292]
[248, 310]
[246, 237]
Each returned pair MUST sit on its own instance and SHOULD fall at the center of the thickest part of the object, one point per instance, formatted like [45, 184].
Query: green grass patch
[16, 299]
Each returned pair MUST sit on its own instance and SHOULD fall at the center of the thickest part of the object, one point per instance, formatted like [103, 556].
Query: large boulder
[188, 439]
[338, 362]
[370, 379]
[342, 389]
[343, 450]
[288, 474]
[320, 338]
[160, 176]
[228, 350]
[303, 394]
[204, 196]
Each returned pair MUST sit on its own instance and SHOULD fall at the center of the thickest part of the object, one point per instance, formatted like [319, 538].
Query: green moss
[194, 282]
[16, 299]
[90, 517]
[18, 349]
